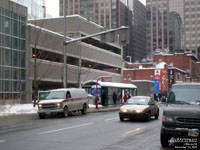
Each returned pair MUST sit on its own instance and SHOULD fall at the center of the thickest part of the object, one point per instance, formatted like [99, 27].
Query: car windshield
[51, 95]
[185, 95]
[138, 101]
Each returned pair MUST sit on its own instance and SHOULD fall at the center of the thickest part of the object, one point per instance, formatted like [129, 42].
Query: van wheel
[41, 116]
[164, 139]
[65, 112]
[84, 110]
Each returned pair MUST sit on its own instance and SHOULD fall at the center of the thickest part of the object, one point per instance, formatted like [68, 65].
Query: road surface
[94, 131]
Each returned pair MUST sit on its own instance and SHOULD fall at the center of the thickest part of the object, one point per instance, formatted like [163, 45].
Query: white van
[62, 101]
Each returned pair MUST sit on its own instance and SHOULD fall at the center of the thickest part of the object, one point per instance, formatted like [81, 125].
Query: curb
[94, 110]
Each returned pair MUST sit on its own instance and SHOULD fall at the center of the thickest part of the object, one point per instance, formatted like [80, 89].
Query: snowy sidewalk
[7, 110]
[17, 109]
[14, 115]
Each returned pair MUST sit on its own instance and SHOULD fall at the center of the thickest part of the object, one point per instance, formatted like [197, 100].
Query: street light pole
[64, 51]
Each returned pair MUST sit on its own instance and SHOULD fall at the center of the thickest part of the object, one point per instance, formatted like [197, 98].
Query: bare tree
[39, 56]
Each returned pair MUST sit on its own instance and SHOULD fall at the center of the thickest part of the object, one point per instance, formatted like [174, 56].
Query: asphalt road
[94, 131]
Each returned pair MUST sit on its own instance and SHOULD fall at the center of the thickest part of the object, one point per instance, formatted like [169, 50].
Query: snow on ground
[6, 110]
[94, 106]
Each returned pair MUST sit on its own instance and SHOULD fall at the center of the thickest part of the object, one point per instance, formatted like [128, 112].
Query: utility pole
[64, 51]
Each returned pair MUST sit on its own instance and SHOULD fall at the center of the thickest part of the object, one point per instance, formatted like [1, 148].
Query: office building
[112, 14]
[36, 8]
[86, 60]
[173, 25]
[35, 51]
[13, 19]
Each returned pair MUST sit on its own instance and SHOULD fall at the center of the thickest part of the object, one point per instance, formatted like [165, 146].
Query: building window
[178, 76]
[12, 54]
[129, 77]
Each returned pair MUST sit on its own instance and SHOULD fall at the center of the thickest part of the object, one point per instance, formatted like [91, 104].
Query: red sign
[106, 79]
[156, 74]
[164, 80]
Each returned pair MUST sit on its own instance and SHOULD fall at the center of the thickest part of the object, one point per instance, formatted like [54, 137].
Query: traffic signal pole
[64, 52]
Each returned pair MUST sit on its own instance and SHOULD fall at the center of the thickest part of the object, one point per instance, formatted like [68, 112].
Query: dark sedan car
[142, 107]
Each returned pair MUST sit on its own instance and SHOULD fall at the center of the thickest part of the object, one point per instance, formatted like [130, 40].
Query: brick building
[167, 75]
[170, 68]
[198, 71]
[184, 61]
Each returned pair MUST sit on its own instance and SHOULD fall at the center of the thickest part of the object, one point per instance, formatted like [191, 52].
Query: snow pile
[6, 110]
[161, 65]
[17, 109]
[94, 106]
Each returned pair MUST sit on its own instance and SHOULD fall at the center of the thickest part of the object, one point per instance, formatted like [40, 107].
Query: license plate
[48, 113]
[193, 132]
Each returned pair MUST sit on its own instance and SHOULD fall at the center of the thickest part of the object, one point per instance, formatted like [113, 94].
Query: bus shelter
[109, 93]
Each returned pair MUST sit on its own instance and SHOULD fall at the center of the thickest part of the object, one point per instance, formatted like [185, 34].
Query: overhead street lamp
[123, 33]
[64, 51]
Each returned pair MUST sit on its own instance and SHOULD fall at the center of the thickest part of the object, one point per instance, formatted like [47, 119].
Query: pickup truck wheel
[84, 110]
[65, 112]
[42, 116]
[164, 139]
[121, 118]
[157, 115]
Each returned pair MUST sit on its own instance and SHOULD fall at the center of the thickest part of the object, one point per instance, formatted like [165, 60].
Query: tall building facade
[112, 14]
[173, 25]
[13, 19]
[36, 8]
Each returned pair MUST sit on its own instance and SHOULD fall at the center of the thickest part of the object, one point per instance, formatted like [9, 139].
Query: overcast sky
[52, 7]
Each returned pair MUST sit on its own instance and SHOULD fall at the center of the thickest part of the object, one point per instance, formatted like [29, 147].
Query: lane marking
[1, 141]
[138, 129]
[67, 128]
[111, 119]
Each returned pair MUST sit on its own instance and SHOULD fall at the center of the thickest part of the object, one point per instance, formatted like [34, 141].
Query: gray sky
[52, 7]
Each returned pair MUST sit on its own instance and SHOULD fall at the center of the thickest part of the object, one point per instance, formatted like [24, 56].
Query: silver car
[139, 107]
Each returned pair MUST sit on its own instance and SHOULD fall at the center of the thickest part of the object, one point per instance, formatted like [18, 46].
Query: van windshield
[48, 95]
[185, 95]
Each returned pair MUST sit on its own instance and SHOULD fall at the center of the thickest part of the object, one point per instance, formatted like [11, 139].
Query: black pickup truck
[181, 115]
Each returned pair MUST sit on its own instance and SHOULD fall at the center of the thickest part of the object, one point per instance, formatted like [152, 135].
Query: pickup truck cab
[181, 115]
[62, 101]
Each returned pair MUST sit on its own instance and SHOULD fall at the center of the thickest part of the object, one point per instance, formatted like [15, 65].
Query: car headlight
[59, 105]
[39, 106]
[139, 110]
[167, 119]
[124, 110]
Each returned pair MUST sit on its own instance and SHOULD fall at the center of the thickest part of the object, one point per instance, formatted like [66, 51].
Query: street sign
[171, 77]
[156, 85]
[157, 74]
[106, 79]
